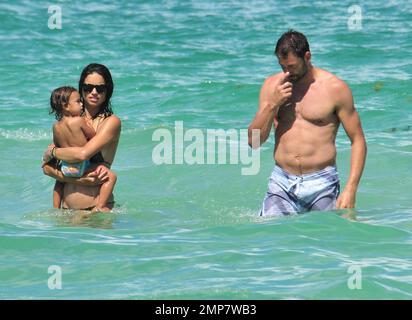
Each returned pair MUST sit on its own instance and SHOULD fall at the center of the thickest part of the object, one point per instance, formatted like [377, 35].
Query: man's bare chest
[314, 106]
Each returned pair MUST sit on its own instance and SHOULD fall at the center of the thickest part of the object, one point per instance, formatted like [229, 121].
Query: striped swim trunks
[289, 193]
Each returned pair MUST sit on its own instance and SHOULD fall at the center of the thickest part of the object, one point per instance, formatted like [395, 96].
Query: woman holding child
[96, 89]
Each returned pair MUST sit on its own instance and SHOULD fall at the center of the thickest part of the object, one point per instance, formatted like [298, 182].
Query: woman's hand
[89, 180]
[47, 155]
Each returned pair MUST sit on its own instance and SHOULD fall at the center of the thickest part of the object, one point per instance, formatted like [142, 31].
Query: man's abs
[296, 163]
[301, 151]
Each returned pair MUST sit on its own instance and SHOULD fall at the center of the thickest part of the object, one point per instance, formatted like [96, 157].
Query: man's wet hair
[292, 41]
[106, 108]
[58, 99]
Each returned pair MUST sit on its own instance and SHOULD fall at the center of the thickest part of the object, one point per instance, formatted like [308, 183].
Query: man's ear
[308, 56]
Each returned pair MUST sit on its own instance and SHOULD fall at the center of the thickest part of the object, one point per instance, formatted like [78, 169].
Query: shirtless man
[306, 105]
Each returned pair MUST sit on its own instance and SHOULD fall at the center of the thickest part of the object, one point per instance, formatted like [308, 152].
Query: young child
[71, 130]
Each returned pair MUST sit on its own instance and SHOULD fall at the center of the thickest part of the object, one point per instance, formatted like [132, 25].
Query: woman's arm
[109, 131]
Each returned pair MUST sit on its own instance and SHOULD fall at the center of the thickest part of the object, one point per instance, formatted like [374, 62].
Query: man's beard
[295, 78]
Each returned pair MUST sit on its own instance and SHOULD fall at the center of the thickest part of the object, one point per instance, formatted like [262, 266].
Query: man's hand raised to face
[281, 92]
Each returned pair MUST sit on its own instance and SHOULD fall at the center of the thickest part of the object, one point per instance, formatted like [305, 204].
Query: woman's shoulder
[111, 121]
[114, 118]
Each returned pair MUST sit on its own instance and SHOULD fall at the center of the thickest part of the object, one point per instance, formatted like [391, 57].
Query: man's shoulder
[331, 81]
[337, 88]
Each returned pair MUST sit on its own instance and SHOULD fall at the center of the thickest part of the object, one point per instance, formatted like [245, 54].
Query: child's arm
[58, 194]
[87, 130]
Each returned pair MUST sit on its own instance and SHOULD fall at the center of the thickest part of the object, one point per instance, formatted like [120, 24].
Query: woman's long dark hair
[106, 107]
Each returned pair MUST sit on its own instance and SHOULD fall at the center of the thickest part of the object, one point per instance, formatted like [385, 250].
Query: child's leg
[58, 194]
[106, 190]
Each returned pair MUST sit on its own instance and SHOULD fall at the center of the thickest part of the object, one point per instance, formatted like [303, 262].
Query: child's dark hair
[58, 99]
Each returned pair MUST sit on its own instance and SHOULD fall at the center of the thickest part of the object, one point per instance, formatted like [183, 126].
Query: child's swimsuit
[76, 170]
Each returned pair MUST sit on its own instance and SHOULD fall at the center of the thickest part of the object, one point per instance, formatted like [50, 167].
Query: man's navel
[299, 163]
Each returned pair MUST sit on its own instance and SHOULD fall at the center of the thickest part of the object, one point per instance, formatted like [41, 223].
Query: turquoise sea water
[192, 231]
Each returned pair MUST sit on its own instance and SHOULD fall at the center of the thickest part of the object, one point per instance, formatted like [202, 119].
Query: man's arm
[349, 117]
[273, 94]
[110, 131]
